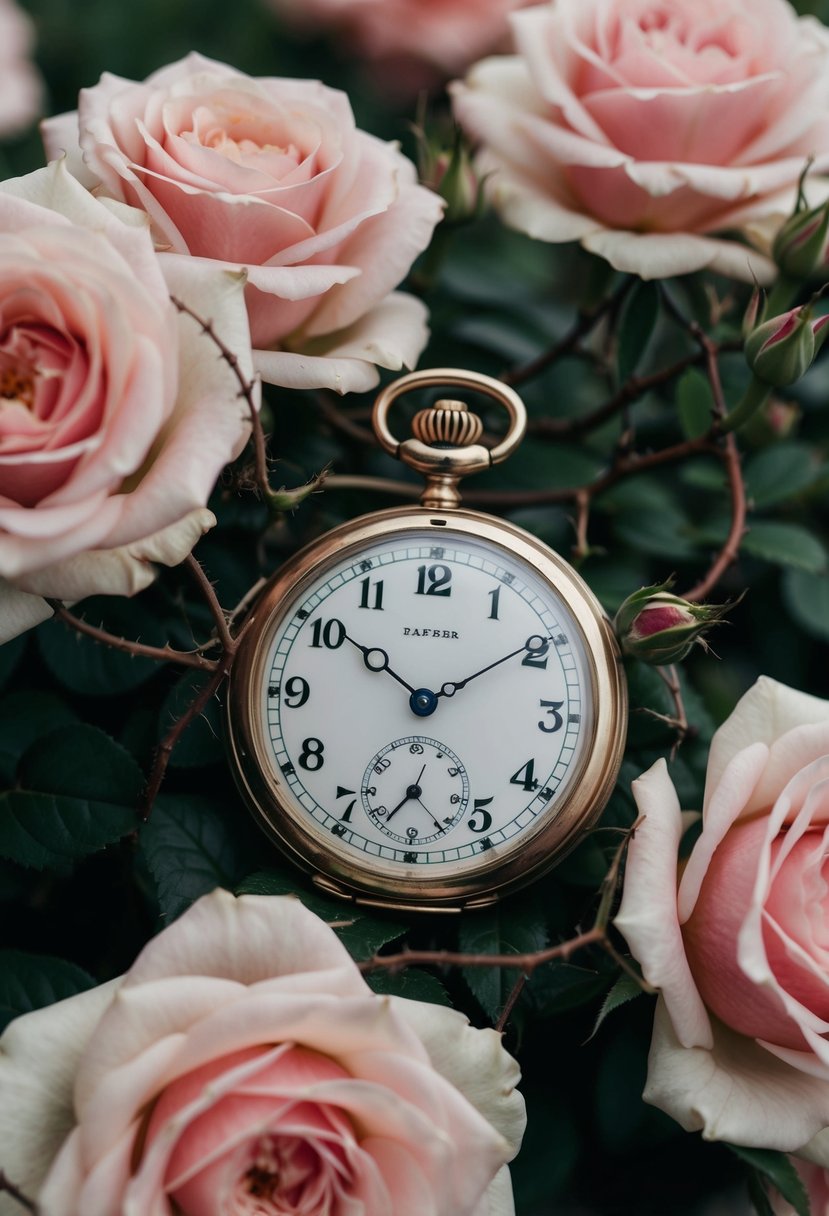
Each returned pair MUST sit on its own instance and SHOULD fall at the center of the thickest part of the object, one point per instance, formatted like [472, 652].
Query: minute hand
[451, 687]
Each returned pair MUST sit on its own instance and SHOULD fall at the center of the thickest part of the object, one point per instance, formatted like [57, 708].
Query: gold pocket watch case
[427, 709]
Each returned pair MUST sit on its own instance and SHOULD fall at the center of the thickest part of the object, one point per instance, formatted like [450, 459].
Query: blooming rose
[639, 127]
[273, 176]
[448, 34]
[116, 416]
[242, 1067]
[21, 89]
[736, 938]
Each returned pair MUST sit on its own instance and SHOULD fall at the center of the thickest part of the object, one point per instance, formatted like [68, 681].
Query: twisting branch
[246, 393]
[165, 748]
[161, 654]
[583, 325]
[527, 963]
[216, 610]
[7, 1187]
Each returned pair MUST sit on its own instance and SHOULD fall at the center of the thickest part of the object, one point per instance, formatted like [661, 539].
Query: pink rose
[736, 936]
[639, 127]
[115, 415]
[447, 34]
[21, 89]
[270, 175]
[242, 1065]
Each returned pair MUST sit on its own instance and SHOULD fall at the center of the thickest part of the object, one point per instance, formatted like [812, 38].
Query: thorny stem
[165, 747]
[670, 677]
[527, 963]
[7, 1187]
[216, 610]
[584, 323]
[512, 1000]
[161, 654]
[246, 392]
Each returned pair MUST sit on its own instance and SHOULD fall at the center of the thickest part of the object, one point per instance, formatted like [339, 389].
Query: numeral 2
[536, 655]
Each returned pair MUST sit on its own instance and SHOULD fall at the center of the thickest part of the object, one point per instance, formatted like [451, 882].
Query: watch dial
[425, 703]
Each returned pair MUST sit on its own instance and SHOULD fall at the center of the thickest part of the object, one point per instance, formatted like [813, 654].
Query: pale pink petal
[39, 1053]
[765, 713]
[648, 914]
[392, 335]
[474, 1061]
[727, 803]
[737, 1091]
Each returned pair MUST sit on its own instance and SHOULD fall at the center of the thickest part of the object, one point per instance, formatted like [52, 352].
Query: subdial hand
[533, 645]
[413, 793]
[440, 827]
[376, 659]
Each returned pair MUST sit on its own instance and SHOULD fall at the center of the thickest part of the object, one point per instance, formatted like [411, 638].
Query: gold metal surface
[479, 880]
[433, 451]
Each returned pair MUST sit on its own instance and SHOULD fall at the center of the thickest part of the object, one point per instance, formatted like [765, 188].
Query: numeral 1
[365, 584]
[494, 595]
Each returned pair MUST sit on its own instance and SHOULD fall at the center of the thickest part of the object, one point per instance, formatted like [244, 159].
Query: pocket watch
[427, 709]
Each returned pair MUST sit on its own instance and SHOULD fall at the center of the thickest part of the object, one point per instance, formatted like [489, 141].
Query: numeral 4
[525, 777]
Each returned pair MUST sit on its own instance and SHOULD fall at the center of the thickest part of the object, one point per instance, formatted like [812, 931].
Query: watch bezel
[503, 868]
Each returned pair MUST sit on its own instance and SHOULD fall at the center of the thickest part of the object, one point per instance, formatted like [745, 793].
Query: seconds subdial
[415, 790]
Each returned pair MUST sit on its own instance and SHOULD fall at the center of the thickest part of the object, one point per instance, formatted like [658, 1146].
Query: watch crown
[448, 423]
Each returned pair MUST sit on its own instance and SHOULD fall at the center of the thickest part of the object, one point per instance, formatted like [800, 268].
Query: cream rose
[736, 938]
[115, 415]
[641, 127]
[242, 1067]
[271, 175]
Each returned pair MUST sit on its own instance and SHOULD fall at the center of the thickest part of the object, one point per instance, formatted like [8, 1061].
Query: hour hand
[376, 659]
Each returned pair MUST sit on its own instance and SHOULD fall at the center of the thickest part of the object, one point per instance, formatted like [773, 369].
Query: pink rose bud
[657, 627]
[782, 349]
[800, 247]
[455, 180]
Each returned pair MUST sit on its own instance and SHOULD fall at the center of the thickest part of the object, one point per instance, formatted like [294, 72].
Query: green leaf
[201, 743]
[77, 791]
[779, 472]
[558, 986]
[785, 545]
[694, 403]
[91, 668]
[192, 845]
[32, 981]
[625, 989]
[778, 1169]
[361, 932]
[639, 318]
[412, 983]
[24, 717]
[807, 599]
[515, 927]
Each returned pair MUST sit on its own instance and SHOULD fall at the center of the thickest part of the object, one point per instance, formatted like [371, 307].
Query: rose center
[278, 1174]
[236, 150]
[17, 384]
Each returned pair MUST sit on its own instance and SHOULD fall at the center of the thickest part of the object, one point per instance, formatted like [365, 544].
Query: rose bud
[800, 247]
[659, 628]
[783, 348]
[456, 181]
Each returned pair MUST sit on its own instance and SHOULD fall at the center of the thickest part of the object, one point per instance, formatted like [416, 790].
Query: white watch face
[425, 702]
